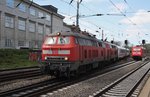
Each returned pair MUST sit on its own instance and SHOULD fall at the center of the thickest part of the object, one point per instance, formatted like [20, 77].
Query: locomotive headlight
[66, 58]
[45, 58]
[58, 33]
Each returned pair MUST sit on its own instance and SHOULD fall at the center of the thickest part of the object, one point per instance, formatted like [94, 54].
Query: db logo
[55, 52]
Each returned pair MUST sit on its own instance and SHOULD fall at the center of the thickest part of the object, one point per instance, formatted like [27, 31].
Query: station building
[26, 24]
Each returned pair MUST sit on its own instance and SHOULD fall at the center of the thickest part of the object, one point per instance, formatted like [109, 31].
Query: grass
[12, 58]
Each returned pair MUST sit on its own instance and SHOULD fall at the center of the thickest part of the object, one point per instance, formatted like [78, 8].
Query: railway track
[43, 87]
[15, 69]
[8, 75]
[125, 86]
[23, 91]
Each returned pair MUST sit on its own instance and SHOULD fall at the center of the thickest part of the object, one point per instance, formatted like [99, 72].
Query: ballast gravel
[88, 87]
[21, 83]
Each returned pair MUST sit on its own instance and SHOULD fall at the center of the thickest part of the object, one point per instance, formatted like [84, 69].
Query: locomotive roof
[138, 47]
[76, 34]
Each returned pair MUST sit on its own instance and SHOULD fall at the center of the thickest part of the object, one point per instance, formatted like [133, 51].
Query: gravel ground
[21, 83]
[88, 87]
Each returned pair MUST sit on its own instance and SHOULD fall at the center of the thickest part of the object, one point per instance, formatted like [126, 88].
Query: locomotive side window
[81, 41]
[110, 46]
[63, 40]
[76, 41]
[113, 46]
[94, 43]
[50, 40]
[86, 42]
[103, 45]
[89, 42]
[100, 44]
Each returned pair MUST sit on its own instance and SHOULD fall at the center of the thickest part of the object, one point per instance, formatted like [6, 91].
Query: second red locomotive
[138, 52]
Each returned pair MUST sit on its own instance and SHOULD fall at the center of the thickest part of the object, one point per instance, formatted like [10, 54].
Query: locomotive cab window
[136, 49]
[50, 40]
[63, 40]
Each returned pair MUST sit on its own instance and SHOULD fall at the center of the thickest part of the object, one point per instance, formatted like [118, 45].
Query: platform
[145, 92]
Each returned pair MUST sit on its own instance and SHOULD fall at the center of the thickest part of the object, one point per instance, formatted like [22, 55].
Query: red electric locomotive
[138, 52]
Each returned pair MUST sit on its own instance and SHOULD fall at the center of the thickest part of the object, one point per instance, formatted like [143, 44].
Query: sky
[122, 19]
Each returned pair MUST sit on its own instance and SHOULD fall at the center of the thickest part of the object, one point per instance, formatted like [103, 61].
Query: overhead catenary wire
[126, 16]
[121, 12]
[127, 4]
[77, 15]
[82, 16]
[68, 3]
[94, 23]
[115, 14]
[87, 16]
[132, 12]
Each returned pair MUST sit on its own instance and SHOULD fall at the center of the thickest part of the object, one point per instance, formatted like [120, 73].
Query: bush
[13, 58]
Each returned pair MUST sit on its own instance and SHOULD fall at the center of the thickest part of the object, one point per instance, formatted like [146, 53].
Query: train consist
[138, 52]
[70, 53]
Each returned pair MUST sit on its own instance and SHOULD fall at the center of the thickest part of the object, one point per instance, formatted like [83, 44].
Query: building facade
[26, 24]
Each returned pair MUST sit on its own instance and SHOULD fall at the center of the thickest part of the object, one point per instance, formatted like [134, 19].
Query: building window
[31, 26]
[22, 7]
[48, 17]
[20, 43]
[32, 11]
[21, 24]
[40, 15]
[40, 29]
[9, 21]
[39, 43]
[8, 43]
[47, 30]
[10, 3]
[31, 44]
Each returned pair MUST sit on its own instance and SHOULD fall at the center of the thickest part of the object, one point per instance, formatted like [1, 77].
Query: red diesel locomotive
[68, 53]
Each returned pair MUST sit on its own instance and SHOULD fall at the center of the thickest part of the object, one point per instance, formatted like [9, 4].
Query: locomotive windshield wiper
[62, 40]
[53, 39]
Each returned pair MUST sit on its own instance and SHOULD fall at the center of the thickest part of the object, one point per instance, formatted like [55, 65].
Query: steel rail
[124, 86]
[19, 73]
